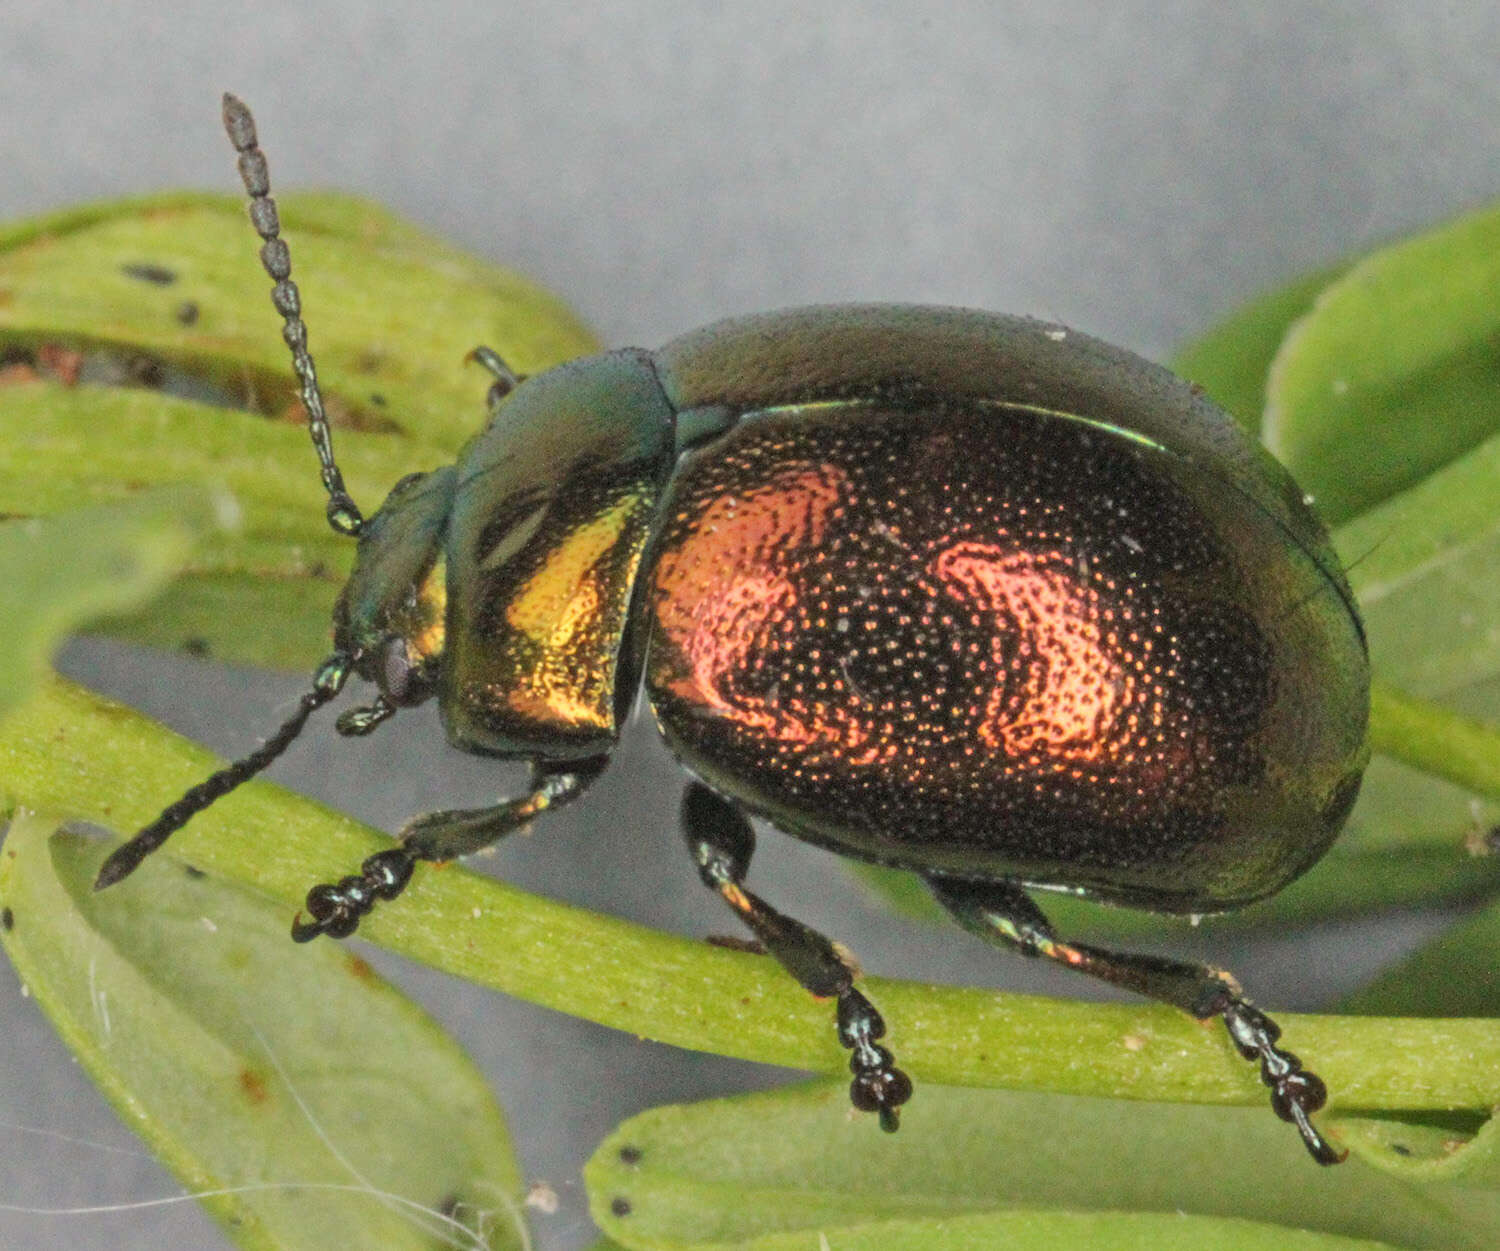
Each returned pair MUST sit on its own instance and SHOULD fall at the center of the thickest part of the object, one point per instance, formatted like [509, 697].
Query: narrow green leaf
[70, 751]
[1425, 566]
[794, 1162]
[1231, 362]
[63, 572]
[1425, 734]
[1024, 1230]
[1393, 373]
[142, 349]
[308, 1103]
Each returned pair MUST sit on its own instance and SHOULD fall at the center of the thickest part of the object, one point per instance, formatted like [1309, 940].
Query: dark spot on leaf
[194, 873]
[1197, 388]
[620, 1205]
[733, 942]
[448, 1205]
[630, 1155]
[253, 1086]
[156, 275]
[195, 645]
[145, 371]
[360, 968]
[369, 362]
[377, 399]
[7, 920]
[187, 312]
[1400, 1148]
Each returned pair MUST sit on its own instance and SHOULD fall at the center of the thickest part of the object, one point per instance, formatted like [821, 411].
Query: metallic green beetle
[965, 594]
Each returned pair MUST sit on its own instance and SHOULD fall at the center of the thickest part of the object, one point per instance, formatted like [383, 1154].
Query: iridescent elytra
[966, 594]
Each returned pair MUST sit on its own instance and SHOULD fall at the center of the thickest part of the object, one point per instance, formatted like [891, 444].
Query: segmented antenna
[343, 514]
[123, 861]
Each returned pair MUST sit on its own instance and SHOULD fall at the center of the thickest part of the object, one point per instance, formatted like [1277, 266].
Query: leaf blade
[753, 1169]
[308, 1100]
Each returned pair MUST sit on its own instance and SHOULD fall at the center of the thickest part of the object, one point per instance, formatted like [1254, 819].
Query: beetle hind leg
[336, 908]
[721, 841]
[1004, 914]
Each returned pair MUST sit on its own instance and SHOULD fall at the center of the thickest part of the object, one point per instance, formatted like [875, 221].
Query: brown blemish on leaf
[17, 373]
[253, 1086]
[63, 363]
[359, 967]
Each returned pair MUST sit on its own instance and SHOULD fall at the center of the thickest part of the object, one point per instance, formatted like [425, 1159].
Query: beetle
[966, 594]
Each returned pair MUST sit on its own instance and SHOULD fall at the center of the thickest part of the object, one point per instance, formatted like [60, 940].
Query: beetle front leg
[1004, 914]
[336, 907]
[722, 842]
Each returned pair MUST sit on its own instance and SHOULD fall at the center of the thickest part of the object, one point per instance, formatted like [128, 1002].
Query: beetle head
[390, 615]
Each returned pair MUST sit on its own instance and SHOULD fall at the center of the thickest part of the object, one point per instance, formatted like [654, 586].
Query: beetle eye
[400, 680]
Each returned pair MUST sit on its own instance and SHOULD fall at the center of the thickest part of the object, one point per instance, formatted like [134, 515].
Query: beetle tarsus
[878, 1085]
[1295, 1093]
[506, 378]
[337, 908]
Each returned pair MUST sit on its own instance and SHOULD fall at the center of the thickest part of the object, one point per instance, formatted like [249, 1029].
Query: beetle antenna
[343, 514]
[123, 861]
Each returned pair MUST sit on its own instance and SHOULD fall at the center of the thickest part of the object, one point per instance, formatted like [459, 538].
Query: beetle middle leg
[722, 842]
[1004, 914]
[336, 907]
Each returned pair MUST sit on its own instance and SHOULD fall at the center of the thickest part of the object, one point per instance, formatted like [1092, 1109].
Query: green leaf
[1018, 1169]
[1393, 373]
[1022, 1230]
[1231, 362]
[1425, 566]
[1455, 974]
[63, 572]
[1437, 739]
[307, 1102]
[67, 750]
[112, 384]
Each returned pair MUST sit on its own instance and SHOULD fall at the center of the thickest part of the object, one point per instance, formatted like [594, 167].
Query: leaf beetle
[965, 594]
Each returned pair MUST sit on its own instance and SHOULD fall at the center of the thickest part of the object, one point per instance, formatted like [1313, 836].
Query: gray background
[1133, 170]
